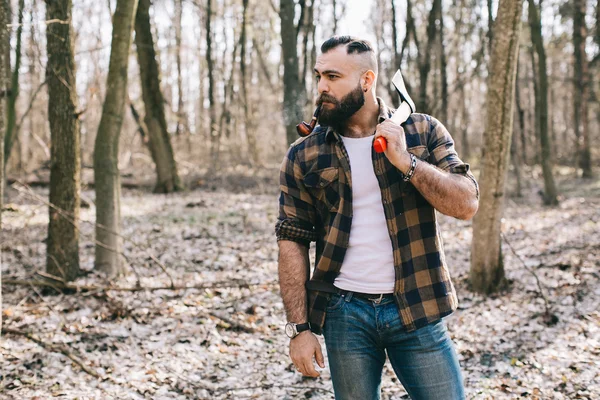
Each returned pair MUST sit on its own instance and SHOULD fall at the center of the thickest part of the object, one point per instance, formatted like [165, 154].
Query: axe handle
[399, 117]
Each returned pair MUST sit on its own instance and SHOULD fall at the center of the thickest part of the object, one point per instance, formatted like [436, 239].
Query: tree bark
[3, 44]
[515, 155]
[180, 113]
[443, 67]
[425, 60]
[106, 150]
[62, 256]
[159, 142]
[212, 111]
[397, 56]
[487, 270]
[11, 132]
[293, 92]
[581, 90]
[248, 122]
[541, 104]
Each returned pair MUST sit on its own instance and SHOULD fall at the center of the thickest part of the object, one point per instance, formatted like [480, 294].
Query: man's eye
[332, 77]
[318, 77]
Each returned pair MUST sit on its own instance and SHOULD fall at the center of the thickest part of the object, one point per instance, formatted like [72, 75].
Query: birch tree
[487, 270]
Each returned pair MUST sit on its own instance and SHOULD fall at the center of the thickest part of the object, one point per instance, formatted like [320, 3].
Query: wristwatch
[292, 329]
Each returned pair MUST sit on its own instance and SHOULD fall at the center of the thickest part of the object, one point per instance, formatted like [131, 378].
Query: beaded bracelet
[413, 163]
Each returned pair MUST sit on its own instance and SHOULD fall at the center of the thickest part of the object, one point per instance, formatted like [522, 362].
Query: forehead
[336, 59]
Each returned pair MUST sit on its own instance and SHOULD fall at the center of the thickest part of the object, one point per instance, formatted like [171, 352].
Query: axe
[407, 107]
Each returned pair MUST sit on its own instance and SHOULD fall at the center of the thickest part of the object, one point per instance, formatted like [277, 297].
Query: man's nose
[322, 86]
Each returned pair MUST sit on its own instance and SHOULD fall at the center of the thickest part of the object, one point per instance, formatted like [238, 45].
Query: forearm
[451, 194]
[293, 274]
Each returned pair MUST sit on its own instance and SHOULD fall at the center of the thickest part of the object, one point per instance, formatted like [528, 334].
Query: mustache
[325, 98]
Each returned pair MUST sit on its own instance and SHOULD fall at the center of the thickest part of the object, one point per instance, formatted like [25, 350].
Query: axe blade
[398, 83]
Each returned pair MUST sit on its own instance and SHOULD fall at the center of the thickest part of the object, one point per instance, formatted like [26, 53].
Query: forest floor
[227, 341]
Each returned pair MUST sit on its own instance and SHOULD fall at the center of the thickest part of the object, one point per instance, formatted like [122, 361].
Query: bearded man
[380, 284]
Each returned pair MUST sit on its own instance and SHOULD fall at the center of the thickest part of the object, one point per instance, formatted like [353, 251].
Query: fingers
[302, 351]
[319, 357]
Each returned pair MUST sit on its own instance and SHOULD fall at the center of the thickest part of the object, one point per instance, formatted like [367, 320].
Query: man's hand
[396, 144]
[302, 349]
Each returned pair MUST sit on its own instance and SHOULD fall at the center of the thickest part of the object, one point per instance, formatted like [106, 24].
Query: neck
[364, 122]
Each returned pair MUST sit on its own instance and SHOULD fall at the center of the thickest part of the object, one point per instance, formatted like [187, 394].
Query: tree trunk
[335, 17]
[425, 60]
[11, 133]
[443, 67]
[213, 134]
[62, 256]
[487, 270]
[581, 93]
[515, 155]
[106, 149]
[3, 44]
[248, 123]
[397, 57]
[541, 105]
[181, 125]
[167, 179]
[293, 92]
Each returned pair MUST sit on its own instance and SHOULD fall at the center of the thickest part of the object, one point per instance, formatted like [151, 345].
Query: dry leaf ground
[189, 344]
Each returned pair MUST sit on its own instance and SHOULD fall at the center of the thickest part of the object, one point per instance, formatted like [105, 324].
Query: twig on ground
[232, 324]
[54, 348]
[269, 386]
[537, 279]
[87, 288]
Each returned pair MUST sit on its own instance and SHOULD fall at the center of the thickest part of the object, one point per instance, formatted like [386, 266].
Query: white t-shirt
[368, 265]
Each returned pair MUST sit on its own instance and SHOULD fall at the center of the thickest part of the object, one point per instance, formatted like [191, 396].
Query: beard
[342, 110]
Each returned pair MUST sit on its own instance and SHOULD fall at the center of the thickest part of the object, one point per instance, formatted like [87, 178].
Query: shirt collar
[384, 113]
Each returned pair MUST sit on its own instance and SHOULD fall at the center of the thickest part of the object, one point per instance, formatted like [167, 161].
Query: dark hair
[354, 45]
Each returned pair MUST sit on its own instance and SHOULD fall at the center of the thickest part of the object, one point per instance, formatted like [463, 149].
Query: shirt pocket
[324, 186]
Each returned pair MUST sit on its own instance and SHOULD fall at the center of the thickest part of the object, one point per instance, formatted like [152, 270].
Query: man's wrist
[404, 163]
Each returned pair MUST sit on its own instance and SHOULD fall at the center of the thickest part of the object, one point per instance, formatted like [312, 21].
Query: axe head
[398, 83]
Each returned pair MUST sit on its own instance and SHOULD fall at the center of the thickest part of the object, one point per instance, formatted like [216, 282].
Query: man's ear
[367, 80]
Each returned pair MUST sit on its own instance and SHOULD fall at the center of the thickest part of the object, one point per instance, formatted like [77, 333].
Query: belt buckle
[377, 300]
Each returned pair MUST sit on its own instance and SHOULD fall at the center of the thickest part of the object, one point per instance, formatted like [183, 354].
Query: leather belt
[374, 297]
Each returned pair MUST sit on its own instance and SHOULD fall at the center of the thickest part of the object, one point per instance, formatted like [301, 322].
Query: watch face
[289, 330]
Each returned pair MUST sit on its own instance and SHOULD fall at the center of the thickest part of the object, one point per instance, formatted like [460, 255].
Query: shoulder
[305, 146]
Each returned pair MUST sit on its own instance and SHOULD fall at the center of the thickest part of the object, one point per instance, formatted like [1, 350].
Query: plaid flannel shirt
[315, 204]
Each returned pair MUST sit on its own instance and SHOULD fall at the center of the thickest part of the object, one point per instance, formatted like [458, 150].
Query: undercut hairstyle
[353, 46]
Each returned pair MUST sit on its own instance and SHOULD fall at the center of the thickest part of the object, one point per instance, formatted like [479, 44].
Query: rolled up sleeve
[296, 221]
[443, 154]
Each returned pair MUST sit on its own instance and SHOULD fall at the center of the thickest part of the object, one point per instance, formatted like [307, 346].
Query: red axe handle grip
[380, 144]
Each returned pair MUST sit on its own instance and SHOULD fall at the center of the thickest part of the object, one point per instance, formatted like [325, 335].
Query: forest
[140, 151]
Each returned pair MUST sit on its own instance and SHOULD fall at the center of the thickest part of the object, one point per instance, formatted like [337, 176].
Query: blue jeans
[359, 332]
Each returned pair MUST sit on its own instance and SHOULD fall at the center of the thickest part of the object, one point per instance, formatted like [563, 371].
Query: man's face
[339, 84]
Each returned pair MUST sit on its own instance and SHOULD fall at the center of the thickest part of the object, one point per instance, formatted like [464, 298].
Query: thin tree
[487, 270]
[425, 58]
[541, 103]
[293, 92]
[248, 122]
[106, 149]
[581, 90]
[3, 45]
[62, 256]
[10, 136]
[213, 134]
[167, 178]
[180, 112]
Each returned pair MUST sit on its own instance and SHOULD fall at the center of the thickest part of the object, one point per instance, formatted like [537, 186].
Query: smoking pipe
[305, 129]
